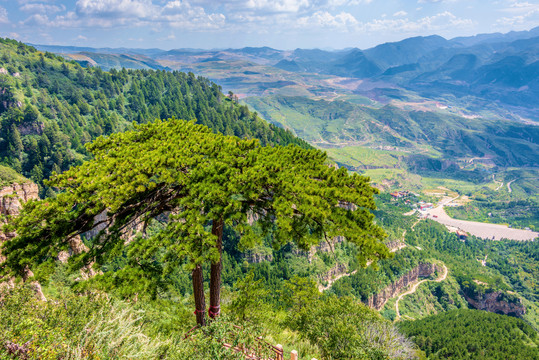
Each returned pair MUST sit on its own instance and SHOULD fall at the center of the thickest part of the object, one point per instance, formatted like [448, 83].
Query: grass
[360, 157]
[9, 176]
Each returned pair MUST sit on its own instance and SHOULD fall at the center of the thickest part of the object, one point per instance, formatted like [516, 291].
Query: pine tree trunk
[198, 292]
[215, 279]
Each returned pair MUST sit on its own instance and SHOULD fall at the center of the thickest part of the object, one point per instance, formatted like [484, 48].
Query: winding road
[414, 288]
[509, 185]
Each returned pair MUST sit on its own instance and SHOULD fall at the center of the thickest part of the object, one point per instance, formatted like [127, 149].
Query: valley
[458, 130]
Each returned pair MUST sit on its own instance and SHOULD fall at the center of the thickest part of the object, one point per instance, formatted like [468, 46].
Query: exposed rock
[332, 273]
[497, 302]
[377, 301]
[395, 244]
[12, 197]
[37, 290]
[34, 128]
[76, 246]
[102, 216]
[100, 222]
[253, 257]
[324, 246]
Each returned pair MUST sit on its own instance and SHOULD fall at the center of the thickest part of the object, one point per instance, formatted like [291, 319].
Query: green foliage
[518, 213]
[466, 334]
[137, 175]
[341, 122]
[249, 298]
[368, 281]
[9, 176]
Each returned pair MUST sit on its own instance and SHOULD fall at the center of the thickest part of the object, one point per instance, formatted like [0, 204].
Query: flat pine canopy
[194, 176]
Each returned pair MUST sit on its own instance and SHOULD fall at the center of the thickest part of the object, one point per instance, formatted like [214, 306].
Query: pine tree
[204, 181]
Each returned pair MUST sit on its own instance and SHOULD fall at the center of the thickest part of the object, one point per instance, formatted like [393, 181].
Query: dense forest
[486, 336]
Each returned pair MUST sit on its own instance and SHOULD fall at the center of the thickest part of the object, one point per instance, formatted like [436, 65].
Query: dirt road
[323, 288]
[414, 288]
[509, 185]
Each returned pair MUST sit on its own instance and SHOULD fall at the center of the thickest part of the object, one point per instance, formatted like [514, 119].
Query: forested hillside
[470, 334]
[137, 305]
[50, 108]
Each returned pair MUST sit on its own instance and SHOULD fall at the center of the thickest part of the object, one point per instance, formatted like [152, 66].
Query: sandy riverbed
[482, 230]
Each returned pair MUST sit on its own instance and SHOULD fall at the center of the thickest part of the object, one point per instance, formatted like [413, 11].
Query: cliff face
[13, 196]
[497, 302]
[11, 199]
[377, 301]
[254, 257]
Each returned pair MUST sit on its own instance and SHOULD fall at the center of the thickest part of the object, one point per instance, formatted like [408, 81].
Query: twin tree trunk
[215, 281]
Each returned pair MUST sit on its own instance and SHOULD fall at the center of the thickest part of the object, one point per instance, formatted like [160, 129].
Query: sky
[281, 24]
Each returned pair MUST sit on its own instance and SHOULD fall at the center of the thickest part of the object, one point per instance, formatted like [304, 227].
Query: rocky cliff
[13, 196]
[377, 301]
[11, 199]
[497, 302]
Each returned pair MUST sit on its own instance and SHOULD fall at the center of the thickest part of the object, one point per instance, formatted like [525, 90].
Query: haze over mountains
[473, 71]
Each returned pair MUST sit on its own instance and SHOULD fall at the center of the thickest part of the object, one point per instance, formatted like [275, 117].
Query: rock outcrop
[255, 257]
[497, 302]
[13, 196]
[11, 199]
[377, 301]
[34, 128]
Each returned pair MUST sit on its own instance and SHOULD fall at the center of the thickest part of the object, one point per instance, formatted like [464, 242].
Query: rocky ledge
[497, 302]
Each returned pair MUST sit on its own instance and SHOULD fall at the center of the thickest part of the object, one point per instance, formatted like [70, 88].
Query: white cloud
[436, 22]
[136, 13]
[521, 15]
[3, 16]
[36, 19]
[116, 8]
[517, 7]
[22, 2]
[287, 6]
[400, 13]
[325, 19]
[335, 3]
[41, 8]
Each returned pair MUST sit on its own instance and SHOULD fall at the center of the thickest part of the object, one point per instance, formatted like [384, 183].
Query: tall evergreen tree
[202, 181]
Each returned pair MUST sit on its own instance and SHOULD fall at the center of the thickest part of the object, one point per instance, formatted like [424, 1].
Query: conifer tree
[202, 181]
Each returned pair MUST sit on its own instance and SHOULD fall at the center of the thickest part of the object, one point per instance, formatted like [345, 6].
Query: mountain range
[475, 71]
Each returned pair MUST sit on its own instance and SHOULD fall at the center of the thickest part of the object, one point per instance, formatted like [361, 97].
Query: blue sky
[282, 24]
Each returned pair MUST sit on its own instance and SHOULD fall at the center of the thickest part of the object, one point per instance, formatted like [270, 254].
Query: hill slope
[74, 105]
